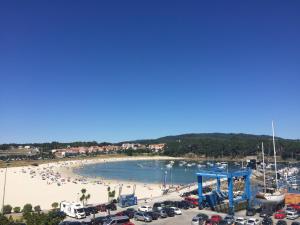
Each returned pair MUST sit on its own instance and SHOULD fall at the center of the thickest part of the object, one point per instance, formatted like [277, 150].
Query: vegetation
[27, 209]
[37, 208]
[17, 209]
[54, 205]
[205, 144]
[111, 193]
[84, 196]
[226, 145]
[7, 209]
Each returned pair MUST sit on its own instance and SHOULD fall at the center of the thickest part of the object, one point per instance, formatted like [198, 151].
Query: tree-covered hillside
[221, 144]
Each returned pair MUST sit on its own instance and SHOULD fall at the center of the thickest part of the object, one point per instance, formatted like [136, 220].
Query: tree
[37, 208]
[54, 205]
[7, 209]
[84, 197]
[111, 194]
[27, 208]
[17, 209]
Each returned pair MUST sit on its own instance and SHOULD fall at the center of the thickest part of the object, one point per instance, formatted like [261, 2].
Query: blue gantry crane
[217, 195]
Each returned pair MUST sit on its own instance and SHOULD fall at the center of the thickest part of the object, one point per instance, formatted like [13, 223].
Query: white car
[145, 208]
[176, 210]
[253, 221]
[290, 209]
[240, 220]
[292, 215]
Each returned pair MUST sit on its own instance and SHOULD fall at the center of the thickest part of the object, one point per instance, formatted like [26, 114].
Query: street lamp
[4, 187]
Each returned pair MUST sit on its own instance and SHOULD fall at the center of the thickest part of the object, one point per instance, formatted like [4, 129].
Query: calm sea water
[147, 171]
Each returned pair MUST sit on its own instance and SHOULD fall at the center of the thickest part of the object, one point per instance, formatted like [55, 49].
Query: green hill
[222, 144]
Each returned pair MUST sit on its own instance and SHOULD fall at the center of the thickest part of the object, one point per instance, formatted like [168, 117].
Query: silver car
[142, 216]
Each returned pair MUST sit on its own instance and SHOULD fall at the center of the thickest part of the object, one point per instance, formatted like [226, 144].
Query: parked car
[281, 222]
[162, 213]
[142, 216]
[158, 205]
[280, 214]
[145, 208]
[266, 213]
[169, 203]
[195, 220]
[193, 201]
[154, 215]
[182, 205]
[253, 221]
[111, 206]
[210, 222]
[202, 216]
[290, 209]
[240, 220]
[170, 212]
[101, 208]
[229, 219]
[128, 223]
[292, 215]
[117, 220]
[216, 218]
[90, 210]
[223, 222]
[100, 220]
[250, 212]
[295, 223]
[267, 221]
[177, 211]
[70, 223]
[295, 206]
[130, 212]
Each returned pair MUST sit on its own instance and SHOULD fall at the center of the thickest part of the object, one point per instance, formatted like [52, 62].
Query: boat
[271, 195]
[169, 166]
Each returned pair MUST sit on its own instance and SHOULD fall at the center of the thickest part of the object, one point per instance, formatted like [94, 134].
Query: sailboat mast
[264, 168]
[275, 161]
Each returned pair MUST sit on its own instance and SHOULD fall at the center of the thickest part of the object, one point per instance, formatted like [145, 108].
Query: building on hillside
[133, 146]
[157, 147]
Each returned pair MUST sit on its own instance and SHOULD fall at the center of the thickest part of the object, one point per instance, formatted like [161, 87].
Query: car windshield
[239, 219]
[195, 219]
[251, 221]
[79, 210]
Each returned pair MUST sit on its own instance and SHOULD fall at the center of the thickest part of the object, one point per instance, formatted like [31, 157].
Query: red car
[209, 222]
[128, 223]
[280, 214]
[216, 218]
[194, 201]
[295, 206]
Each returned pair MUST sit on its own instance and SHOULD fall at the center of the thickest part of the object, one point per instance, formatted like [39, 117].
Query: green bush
[17, 209]
[7, 209]
[27, 208]
[37, 208]
[54, 205]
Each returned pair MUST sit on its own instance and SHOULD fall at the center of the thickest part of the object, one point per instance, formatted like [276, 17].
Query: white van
[292, 215]
[73, 209]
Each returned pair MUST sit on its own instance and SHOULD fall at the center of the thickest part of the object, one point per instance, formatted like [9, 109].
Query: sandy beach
[54, 182]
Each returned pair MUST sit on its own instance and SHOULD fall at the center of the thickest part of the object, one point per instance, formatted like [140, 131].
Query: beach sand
[54, 182]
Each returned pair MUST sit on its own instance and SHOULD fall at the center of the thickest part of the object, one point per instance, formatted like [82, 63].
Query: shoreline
[55, 182]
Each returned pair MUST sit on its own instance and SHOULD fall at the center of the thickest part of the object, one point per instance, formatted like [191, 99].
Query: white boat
[271, 195]
[169, 165]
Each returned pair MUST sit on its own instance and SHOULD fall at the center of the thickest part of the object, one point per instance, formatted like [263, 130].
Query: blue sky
[122, 70]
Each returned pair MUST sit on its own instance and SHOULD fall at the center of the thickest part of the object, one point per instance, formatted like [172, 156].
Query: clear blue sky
[120, 70]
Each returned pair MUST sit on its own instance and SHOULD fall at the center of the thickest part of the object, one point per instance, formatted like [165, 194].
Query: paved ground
[186, 217]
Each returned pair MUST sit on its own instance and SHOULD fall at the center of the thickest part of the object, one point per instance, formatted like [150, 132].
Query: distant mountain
[223, 144]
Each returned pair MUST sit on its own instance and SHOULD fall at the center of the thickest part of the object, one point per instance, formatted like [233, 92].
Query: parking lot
[185, 218]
